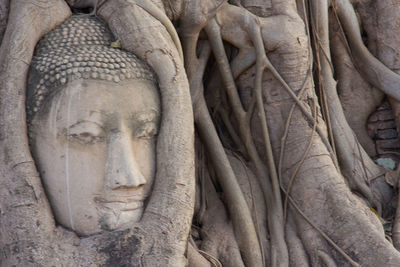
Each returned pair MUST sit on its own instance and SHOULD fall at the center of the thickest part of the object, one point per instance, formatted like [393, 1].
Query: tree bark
[326, 219]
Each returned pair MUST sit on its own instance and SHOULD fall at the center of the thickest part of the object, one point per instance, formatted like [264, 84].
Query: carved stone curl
[80, 48]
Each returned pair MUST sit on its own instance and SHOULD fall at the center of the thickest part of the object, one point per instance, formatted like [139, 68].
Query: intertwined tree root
[183, 67]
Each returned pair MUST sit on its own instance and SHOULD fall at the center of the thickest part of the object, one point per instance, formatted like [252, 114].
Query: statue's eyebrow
[86, 121]
[145, 116]
[96, 117]
[148, 116]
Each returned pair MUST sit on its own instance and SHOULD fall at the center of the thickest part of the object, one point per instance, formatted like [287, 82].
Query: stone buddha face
[93, 116]
[94, 145]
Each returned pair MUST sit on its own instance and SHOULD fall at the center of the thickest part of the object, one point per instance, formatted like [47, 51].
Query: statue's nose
[122, 170]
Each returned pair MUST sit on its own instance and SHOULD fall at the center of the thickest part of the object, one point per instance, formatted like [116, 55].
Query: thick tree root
[130, 25]
[372, 69]
[356, 166]
[218, 238]
[156, 240]
[158, 14]
[303, 158]
[352, 87]
[26, 221]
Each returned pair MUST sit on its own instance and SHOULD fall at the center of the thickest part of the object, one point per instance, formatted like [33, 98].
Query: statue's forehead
[105, 101]
[80, 48]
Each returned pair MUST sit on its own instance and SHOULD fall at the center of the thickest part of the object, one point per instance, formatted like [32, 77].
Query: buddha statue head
[93, 115]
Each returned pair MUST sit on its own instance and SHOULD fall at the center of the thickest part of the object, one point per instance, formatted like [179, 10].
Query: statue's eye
[86, 133]
[146, 131]
[85, 138]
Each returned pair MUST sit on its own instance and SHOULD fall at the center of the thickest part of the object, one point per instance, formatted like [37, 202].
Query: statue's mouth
[118, 204]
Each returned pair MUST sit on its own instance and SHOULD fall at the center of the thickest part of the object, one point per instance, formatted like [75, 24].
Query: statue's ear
[27, 22]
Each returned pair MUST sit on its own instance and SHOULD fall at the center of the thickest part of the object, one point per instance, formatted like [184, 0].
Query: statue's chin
[118, 220]
[108, 220]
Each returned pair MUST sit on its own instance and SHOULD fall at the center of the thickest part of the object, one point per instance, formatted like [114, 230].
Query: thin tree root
[304, 110]
[303, 158]
[275, 219]
[344, 137]
[261, 64]
[195, 258]
[330, 241]
[248, 23]
[322, 93]
[253, 204]
[243, 225]
[213, 260]
[287, 124]
[236, 139]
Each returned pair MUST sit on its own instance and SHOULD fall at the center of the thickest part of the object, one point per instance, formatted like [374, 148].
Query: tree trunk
[281, 173]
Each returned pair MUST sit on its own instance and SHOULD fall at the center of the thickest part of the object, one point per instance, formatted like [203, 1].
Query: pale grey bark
[326, 224]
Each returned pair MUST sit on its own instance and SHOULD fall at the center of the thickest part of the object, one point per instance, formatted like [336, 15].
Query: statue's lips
[119, 204]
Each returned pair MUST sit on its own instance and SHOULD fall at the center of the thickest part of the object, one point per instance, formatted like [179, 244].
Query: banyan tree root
[387, 17]
[130, 23]
[379, 28]
[22, 195]
[351, 86]
[243, 224]
[320, 255]
[218, 238]
[317, 180]
[214, 35]
[274, 205]
[252, 27]
[216, 43]
[372, 69]
[253, 30]
[332, 196]
[276, 74]
[356, 166]
[387, 51]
